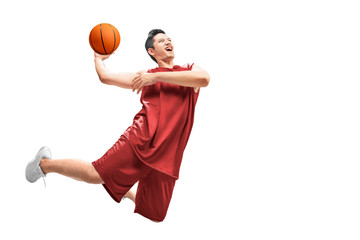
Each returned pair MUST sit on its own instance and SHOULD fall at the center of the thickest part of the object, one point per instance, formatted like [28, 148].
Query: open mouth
[168, 49]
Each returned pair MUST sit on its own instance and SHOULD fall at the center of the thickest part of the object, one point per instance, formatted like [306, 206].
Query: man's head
[159, 46]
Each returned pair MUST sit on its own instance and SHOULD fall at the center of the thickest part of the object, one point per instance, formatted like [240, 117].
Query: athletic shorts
[120, 169]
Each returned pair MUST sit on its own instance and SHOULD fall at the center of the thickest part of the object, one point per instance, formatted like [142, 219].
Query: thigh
[119, 168]
[154, 195]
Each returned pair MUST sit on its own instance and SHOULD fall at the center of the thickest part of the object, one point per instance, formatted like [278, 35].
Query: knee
[92, 176]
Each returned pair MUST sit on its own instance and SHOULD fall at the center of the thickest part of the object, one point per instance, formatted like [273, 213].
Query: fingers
[136, 82]
[141, 80]
[105, 56]
[140, 87]
[101, 56]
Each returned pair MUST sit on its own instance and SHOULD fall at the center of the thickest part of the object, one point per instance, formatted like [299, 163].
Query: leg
[153, 195]
[130, 195]
[76, 169]
[120, 169]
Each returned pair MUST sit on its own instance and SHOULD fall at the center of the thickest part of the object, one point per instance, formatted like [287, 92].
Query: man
[150, 151]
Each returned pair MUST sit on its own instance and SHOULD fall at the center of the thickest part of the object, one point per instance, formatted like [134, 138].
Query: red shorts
[120, 169]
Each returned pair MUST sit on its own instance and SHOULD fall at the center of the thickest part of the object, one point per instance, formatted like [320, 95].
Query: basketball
[104, 38]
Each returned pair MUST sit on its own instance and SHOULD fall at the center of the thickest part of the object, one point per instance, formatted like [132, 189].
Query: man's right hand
[100, 56]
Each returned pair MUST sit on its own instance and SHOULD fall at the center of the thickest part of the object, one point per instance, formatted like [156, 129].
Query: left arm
[195, 78]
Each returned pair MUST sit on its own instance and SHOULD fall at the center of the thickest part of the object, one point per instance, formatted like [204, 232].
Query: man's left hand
[141, 80]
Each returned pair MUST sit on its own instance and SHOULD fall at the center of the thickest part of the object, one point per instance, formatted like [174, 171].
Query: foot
[33, 170]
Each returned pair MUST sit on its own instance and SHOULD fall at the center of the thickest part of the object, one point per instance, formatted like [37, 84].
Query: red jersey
[161, 129]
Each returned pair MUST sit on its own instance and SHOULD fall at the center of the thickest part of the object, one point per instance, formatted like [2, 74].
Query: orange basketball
[104, 38]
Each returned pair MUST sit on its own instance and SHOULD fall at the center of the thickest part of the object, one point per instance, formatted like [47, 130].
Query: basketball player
[150, 151]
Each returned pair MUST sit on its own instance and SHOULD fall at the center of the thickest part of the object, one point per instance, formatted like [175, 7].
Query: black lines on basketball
[102, 40]
[114, 37]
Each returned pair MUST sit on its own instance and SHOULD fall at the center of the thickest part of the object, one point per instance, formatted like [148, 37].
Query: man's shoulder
[184, 67]
[188, 66]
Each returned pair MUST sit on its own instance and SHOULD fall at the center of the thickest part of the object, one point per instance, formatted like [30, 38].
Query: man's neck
[169, 64]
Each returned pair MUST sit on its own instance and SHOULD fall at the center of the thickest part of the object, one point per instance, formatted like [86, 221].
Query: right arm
[123, 80]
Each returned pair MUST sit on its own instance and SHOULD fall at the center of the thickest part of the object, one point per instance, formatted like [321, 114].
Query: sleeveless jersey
[160, 131]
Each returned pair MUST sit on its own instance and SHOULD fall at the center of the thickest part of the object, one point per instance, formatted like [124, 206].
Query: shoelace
[44, 180]
[38, 171]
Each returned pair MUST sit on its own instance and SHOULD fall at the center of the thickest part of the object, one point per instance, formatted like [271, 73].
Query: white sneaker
[33, 170]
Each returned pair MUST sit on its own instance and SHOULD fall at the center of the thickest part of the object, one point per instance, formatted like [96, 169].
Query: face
[163, 49]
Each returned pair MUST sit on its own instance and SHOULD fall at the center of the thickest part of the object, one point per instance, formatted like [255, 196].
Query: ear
[151, 51]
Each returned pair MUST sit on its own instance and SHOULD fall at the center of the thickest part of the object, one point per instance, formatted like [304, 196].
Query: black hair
[150, 40]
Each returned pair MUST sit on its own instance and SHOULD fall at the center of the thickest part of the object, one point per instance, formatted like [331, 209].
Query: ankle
[44, 163]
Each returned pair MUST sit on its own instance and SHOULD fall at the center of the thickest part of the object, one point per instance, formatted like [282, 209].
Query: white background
[274, 152]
